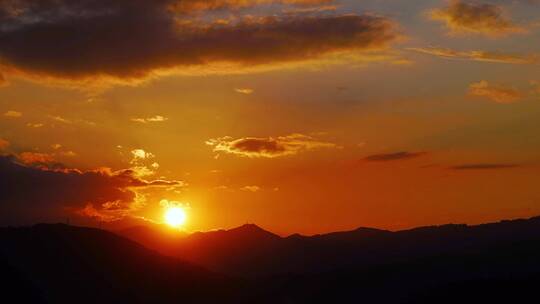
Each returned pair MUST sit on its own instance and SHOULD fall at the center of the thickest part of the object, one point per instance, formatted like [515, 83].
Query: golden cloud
[495, 92]
[13, 114]
[251, 188]
[34, 125]
[268, 147]
[156, 118]
[35, 158]
[465, 17]
[245, 91]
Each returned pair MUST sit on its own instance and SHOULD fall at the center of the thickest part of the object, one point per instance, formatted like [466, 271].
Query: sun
[175, 216]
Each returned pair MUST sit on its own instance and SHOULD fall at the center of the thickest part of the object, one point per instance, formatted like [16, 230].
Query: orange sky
[300, 116]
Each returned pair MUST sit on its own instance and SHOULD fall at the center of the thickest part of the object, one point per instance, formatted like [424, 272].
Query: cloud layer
[128, 40]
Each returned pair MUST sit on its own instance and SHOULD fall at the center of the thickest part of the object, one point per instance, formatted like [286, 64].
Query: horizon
[180, 232]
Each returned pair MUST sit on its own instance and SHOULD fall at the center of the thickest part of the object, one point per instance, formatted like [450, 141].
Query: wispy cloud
[393, 156]
[34, 125]
[251, 188]
[60, 119]
[12, 114]
[156, 118]
[498, 93]
[483, 56]
[245, 91]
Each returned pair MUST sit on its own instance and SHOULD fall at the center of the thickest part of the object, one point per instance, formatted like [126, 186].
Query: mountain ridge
[494, 262]
[252, 251]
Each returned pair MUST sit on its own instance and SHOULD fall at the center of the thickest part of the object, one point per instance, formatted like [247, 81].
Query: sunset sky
[301, 116]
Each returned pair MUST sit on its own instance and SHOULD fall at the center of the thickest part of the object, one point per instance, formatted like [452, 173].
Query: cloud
[194, 6]
[36, 159]
[171, 204]
[156, 118]
[466, 17]
[68, 153]
[140, 154]
[495, 92]
[268, 147]
[142, 164]
[60, 119]
[313, 9]
[13, 114]
[484, 166]
[125, 41]
[250, 188]
[393, 156]
[483, 56]
[245, 91]
[30, 194]
[34, 125]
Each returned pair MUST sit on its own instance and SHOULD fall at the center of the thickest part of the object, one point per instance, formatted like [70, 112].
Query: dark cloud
[476, 18]
[268, 147]
[131, 39]
[30, 194]
[484, 166]
[393, 156]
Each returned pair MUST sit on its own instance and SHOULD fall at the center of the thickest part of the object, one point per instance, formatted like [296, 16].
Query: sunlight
[175, 216]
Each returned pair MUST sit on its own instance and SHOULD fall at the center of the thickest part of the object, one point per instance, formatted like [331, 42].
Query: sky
[303, 116]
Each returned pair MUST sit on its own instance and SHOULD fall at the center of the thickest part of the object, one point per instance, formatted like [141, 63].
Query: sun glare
[175, 216]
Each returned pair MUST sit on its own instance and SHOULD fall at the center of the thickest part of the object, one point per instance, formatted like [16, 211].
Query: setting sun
[175, 216]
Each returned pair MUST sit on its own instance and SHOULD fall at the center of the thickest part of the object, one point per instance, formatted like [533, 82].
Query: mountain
[491, 263]
[66, 264]
[251, 251]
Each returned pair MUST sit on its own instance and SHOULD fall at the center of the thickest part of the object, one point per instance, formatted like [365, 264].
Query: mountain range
[250, 251]
[56, 263]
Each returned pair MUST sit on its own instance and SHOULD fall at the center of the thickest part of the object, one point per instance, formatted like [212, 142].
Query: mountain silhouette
[65, 264]
[490, 263]
[251, 251]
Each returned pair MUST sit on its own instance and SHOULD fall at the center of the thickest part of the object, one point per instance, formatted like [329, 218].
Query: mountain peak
[251, 229]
